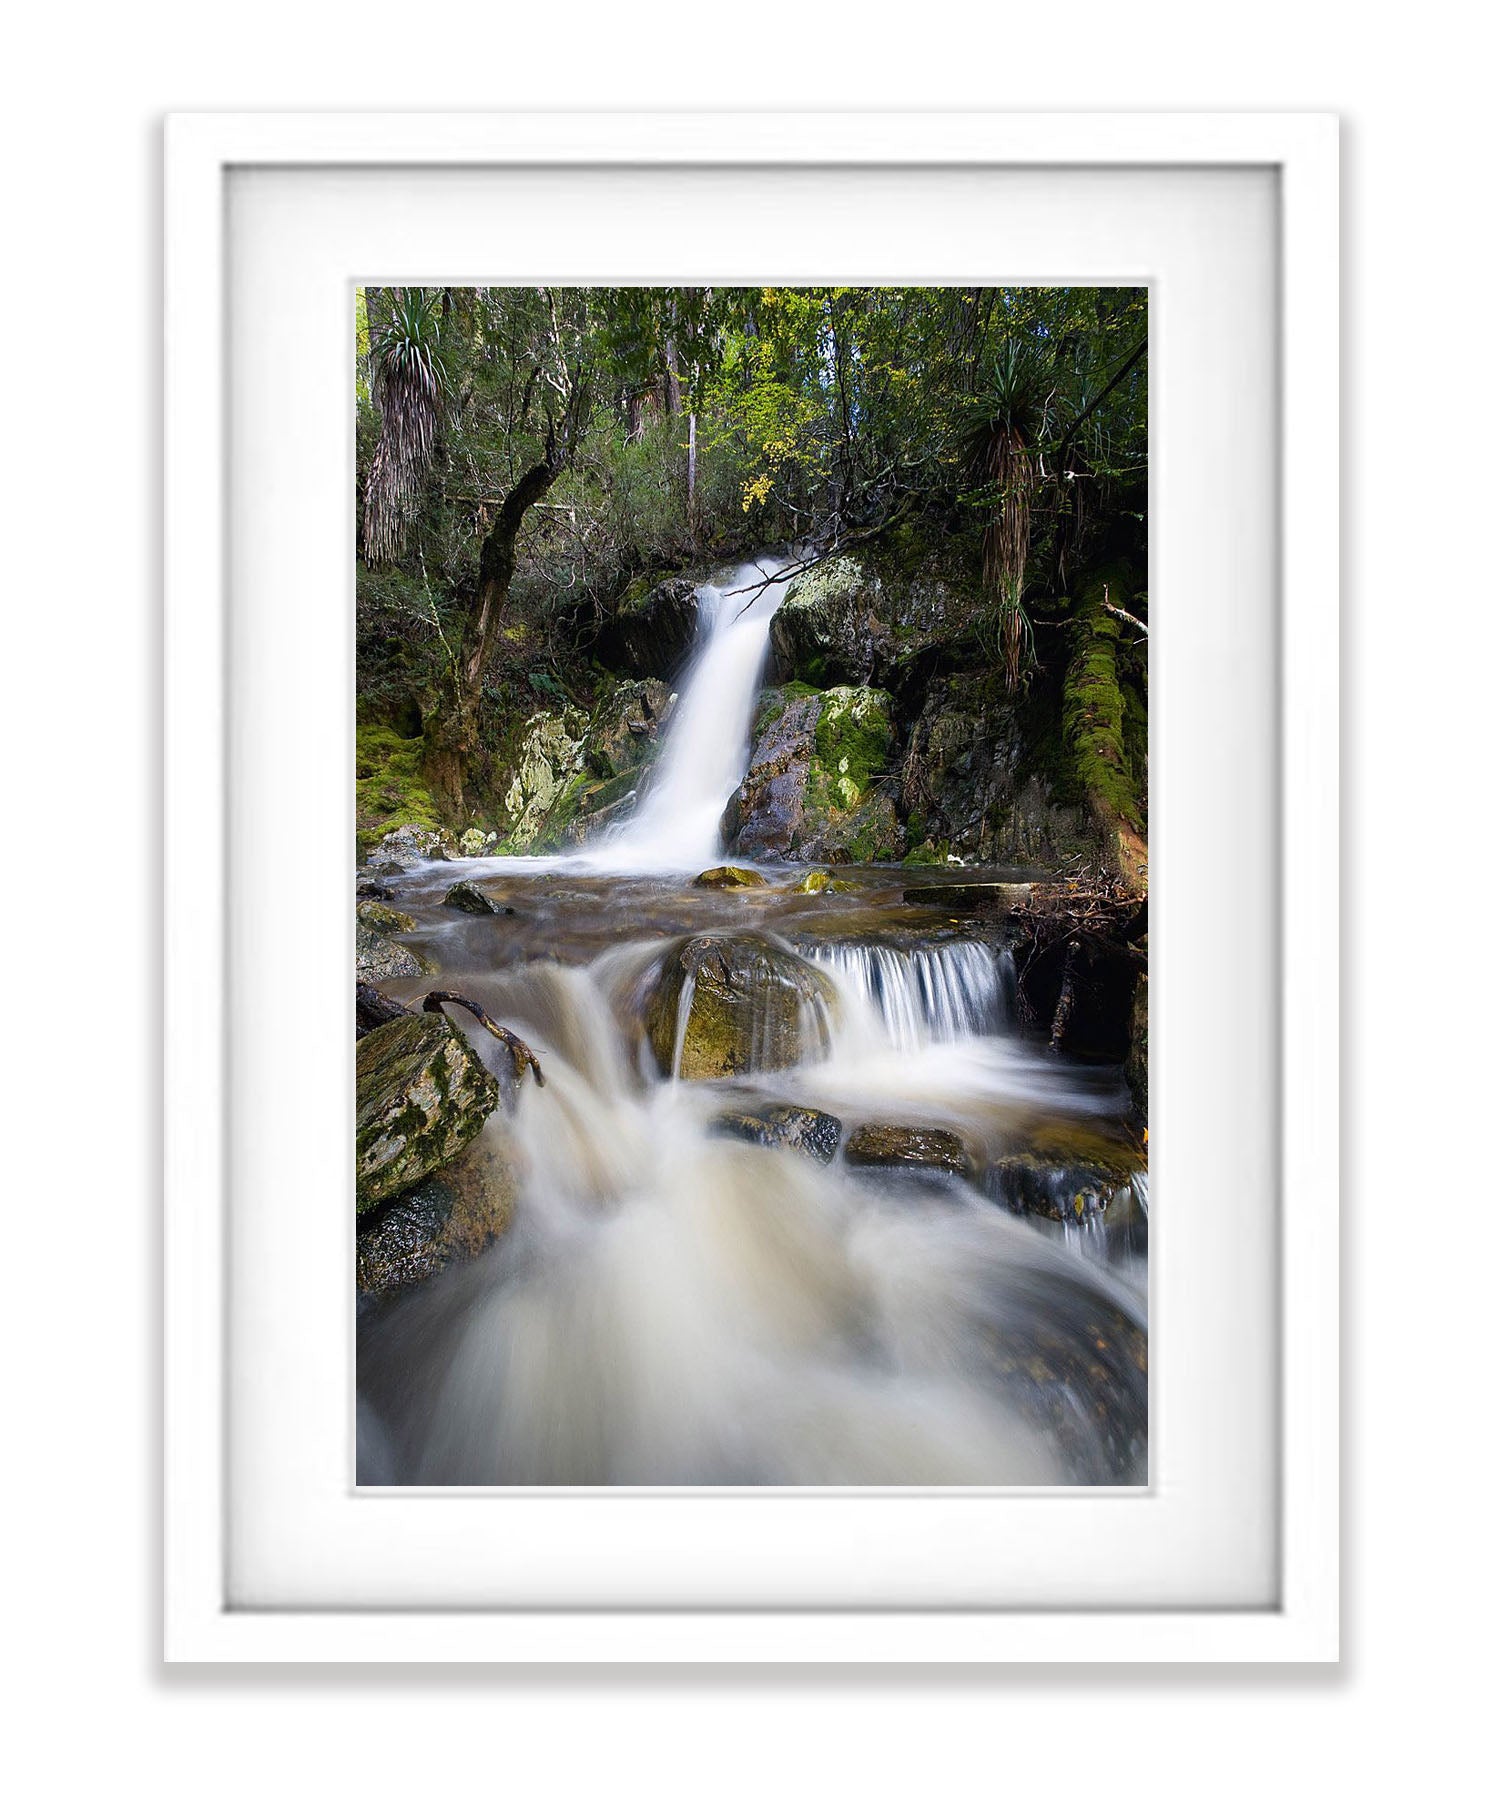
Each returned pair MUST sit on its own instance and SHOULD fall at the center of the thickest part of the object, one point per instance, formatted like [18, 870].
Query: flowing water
[674, 1304]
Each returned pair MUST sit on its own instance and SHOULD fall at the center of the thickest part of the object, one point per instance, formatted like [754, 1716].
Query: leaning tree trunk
[456, 737]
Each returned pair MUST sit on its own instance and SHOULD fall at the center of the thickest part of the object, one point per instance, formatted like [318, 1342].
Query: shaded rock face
[384, 920]
[804, 1128]
[420, 1095]
[843, 623]
[409, 846]
[810, 792]
[909, 1147]
[653, 628]
[963, 783]
[1069, 1171]
[732, 1003]
[451, 1216]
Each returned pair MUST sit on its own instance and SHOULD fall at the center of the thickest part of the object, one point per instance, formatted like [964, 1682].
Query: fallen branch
[522, 1056]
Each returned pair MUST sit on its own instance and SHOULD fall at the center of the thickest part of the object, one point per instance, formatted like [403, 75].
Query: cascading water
[684, 1297]
[707, 743]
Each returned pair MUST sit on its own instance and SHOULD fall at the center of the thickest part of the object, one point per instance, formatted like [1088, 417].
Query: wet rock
[784, 1127]
[809, 792]
[1073, 1362]
[475, 842]
[409, 847]
[451, 1216]
[1070, 1171]
[466, 896]
[380, 958]
[737, 1003]
[909, 1147]
[653, 627]
[821, 882]
[373, 1009]
[420, 1095]
[730, 876]
[384, 920]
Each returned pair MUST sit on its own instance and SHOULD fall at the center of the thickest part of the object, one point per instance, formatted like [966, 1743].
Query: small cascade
[933, 995]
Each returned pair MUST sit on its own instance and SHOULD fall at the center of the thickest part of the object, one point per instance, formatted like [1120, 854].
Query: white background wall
[79, 376]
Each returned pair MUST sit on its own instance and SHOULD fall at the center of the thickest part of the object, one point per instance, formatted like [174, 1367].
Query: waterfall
[707, 743]
[934, 995]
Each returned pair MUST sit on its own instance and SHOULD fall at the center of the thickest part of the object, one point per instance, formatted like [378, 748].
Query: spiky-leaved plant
[408, 385]
[1016, 398]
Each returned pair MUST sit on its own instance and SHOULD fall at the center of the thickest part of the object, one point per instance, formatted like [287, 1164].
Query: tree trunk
[692, 496]
[497, 565]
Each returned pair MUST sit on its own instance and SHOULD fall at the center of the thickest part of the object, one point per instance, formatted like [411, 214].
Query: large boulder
[451, 1216]
[844, 621]
[653, 627]
[420, 1095]
[809, 794]
[731, 1003]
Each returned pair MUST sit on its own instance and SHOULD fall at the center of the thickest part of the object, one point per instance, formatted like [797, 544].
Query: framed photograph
[722, 622]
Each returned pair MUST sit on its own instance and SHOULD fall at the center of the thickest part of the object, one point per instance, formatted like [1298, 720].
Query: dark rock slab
[804, 1128]
[909, 1147]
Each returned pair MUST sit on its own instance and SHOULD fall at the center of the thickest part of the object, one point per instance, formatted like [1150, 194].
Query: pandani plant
[408, 385]
[1005, 445]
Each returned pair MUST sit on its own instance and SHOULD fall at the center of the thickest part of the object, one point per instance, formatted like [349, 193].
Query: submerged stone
[909, 1147]
[420, 1095]
[803, 1128]
[731, 1003]
[728, 875]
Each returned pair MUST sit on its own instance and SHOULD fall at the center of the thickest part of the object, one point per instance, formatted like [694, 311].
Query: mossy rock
[745, 1007]
[924, 1147]
[819, 881]
[384, 920]
[389, 789]
[421, 1094]
[729, 875]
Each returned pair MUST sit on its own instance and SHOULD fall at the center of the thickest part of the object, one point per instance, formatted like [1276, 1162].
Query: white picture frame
[221, 1604]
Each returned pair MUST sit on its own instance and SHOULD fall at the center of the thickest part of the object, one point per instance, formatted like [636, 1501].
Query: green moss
[388, 787]
[1094, 715]
[852, 744]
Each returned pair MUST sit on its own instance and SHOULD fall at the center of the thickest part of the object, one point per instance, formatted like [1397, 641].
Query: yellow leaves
[755, 493]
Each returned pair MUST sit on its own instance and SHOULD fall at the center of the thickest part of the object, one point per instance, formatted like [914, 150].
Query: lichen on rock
[420, 1095]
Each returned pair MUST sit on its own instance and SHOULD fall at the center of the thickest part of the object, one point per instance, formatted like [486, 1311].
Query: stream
[689, 1292]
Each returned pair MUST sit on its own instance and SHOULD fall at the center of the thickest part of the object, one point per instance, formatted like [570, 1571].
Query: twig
[522, 1056]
